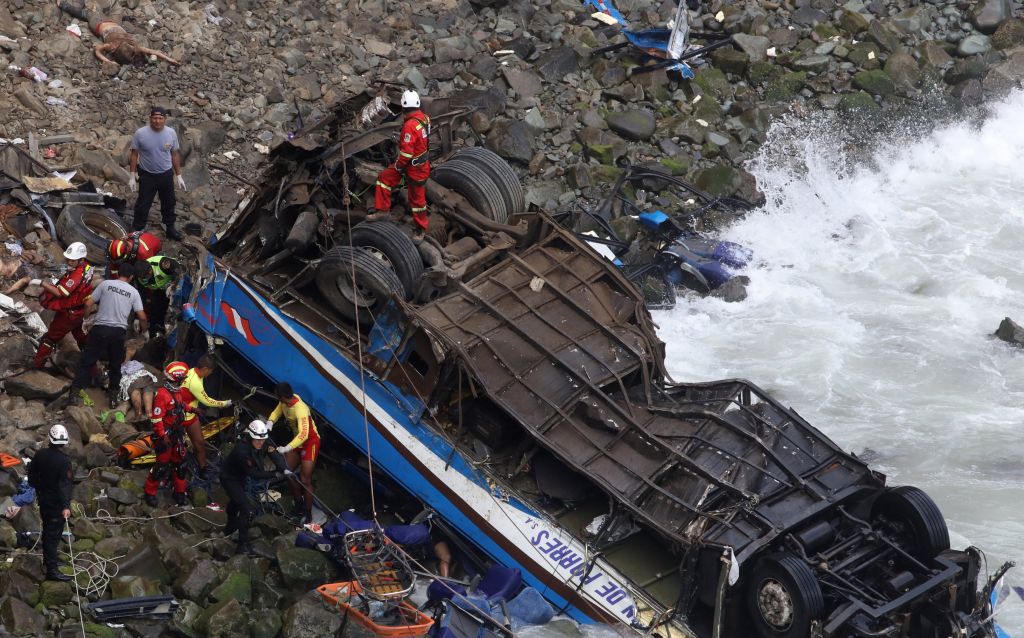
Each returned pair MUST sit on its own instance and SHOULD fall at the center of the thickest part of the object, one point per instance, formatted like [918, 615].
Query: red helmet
[176, 371]
[137, 245]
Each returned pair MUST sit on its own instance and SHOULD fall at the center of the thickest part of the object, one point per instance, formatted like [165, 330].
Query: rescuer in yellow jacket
[197, 396]
[302, 449]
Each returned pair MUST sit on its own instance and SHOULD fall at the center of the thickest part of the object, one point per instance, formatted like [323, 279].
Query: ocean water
[881, 277]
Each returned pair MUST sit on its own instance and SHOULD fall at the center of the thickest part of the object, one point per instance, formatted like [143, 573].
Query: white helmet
[59, 435]
[76, 250]
[410, 100]
[257, 429]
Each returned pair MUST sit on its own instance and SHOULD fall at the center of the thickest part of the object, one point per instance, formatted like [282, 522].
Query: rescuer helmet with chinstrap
[410, 100]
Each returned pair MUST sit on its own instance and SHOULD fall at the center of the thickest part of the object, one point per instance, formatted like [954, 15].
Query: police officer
[154, 276]
[117, 300]
[244, 462]
[50, 474]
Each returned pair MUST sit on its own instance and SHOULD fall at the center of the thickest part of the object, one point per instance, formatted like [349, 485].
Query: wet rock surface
[253, 69]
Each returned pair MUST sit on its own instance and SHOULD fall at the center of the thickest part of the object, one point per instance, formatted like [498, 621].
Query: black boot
[172, 232]
[180, 499]
[53, 574]
[230, 529]
[150, 499]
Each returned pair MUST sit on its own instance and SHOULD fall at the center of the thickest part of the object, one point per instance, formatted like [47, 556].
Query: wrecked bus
[511, 379]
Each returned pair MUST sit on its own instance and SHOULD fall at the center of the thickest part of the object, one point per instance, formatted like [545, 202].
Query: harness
[131, 243]
[424, 156]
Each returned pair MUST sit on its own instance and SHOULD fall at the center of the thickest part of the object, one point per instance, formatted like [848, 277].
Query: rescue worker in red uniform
[68, 298]
[170, 418]
[136, 246]
[413, 164]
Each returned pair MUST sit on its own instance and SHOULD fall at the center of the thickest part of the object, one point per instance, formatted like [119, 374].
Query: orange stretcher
[401, 619]
[140, 451]
[6, 460]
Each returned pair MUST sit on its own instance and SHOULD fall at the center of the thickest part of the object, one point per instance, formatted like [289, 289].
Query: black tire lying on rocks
[393, 248]
[94, 226]
[466, 178]
[501, 174]
[374, 283]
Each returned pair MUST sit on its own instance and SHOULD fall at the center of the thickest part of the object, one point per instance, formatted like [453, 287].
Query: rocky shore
[255, 70]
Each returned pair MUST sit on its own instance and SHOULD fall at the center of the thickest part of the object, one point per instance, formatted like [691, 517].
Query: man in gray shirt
[155, 166]
[117, 300]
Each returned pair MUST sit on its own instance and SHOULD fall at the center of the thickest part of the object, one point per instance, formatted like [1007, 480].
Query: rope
[78, 594]
[359, 347]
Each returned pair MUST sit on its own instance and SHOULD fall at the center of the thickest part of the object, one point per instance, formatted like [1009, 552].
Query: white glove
[289, 473]
[228, 403]
[270, 424]
[133, 182]
[284, 449]
[181, 182]
[35, 282]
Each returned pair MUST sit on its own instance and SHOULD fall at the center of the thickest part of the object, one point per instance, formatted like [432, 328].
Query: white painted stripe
[517, 527]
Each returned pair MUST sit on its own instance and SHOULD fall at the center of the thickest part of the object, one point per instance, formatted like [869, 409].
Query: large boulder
[308, 618]
[15, 349]
[236, 585]
[36, 384]
[1010, 34]
[304, 568]
[20, 619]
[875, 82]
[755, 46]
[196, 583]
[987, 15]
[225, 620]
[511, 139]
[554, 64]
[1010, 332]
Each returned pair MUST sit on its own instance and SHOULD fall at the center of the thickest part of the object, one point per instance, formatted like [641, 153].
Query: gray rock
[306, 86]
[186, 619]
[914, 19]
[484, 67]
[236, 585]
[632, 125]
[121, 496]
[987, 15]
[207, 136]
[809, 16]
[1010, 332]
[20, 619]
[755, 46]
[197, 582]
[15, 349]
[512, 140]
[101, 164]
[974, 44]
[716, 138]
[525, 83]
[903, 69]
[491, 101]
[133, 587]
[1007, 75]
[884, 34]
[26, 416]
[934, 55]
[1010, 34]
[968, 69]
[308, 618]
[228, 619]
[87, 422]
[733, 290]
[95, 455]
[813, 63]
[535, 120]
[555, 64]
[969, 92]
[304, 568]
[451, 49]
[608, 73]
[36, 384]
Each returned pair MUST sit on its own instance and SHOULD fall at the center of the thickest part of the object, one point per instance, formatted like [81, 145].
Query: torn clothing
[299, 417]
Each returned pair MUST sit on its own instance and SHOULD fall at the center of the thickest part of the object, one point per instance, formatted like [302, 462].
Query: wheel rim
[102, 226]
[775, 604]
[360, 296]
[379, 255]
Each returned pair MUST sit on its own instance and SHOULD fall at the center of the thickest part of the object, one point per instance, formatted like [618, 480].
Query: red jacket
[169, 412]
[75, 288]
[412, 143]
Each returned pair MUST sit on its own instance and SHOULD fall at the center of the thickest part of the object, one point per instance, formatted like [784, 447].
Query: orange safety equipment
[176, 371]
[413, 164]
[138, 245]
